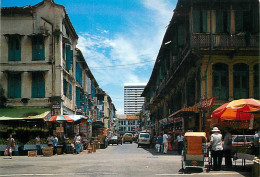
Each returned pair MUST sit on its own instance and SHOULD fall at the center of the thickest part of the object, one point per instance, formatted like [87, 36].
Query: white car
[143, 139]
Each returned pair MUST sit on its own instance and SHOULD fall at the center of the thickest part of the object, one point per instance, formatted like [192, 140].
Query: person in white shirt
[165, 143]
[180, 138]
[216, 145]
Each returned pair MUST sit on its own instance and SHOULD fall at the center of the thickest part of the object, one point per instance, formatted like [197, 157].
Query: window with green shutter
[65, 86]
[14, 85]
[78, 73]
[239, 21]
[38, 52]
[241, 81]
[223, 21]
[220, 81]
[69, 57]
[70, 91]
[78, 97]
[14, 48]
[181, 35]
[200, 21]
[38, 85]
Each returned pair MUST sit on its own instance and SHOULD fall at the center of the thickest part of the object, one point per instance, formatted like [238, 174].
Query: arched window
[256, 81]
[220, 81]
[240, 79]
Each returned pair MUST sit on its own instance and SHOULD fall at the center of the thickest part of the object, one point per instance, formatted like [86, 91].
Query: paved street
[122, 160]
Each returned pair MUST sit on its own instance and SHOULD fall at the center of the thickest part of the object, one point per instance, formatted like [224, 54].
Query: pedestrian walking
[180, 139]
[165, 143]
[55, 144]
[10, 146]
[256, 143]
[159, 144]
[64, 143]
[38, 145]
[227, 149]
[78, 144]
[216, 144]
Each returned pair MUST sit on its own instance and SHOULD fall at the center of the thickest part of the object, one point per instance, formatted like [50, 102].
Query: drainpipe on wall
[206, 73]
[53, 55]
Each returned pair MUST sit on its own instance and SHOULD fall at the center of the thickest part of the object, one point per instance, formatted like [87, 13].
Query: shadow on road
[155, 153]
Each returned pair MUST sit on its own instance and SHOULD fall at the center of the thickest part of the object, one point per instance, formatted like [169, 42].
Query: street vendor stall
[241, 116]
[24, 125]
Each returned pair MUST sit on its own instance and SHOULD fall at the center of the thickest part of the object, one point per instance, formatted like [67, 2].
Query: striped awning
[189, 109]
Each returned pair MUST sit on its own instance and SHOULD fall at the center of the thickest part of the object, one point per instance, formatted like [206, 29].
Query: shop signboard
[95, 100]
[83, 130]
[59, 129]
[207, 103]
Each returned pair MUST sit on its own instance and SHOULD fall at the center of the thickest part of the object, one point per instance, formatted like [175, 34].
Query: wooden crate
[32, 153]
[47, 151]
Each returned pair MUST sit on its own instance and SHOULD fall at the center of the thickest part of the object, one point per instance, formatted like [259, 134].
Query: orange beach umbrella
[236, 110]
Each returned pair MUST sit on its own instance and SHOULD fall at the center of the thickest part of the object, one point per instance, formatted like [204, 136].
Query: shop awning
[190, 109]
[23, 113]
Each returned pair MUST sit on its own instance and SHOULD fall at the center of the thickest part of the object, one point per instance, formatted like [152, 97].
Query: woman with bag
[10, 146]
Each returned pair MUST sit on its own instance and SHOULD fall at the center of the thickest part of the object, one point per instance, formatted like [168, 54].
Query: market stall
[24, 125]
[243, 117]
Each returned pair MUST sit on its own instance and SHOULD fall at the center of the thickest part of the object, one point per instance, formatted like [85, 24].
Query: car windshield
[128, 135]
[114, 137]
[144, 135]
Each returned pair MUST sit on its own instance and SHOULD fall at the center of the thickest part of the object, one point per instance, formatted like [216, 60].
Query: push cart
[195, 152]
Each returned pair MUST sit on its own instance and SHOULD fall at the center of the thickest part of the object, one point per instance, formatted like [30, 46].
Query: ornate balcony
[224, 40]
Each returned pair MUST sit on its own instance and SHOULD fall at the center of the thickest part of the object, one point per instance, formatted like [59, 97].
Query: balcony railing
[224, 40]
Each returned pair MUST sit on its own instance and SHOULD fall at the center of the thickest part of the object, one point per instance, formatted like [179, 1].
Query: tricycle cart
[195, 152]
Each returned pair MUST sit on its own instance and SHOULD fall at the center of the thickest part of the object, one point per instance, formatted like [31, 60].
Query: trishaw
[195, 152]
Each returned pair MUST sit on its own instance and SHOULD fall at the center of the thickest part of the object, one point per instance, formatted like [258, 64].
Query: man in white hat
[217, 148]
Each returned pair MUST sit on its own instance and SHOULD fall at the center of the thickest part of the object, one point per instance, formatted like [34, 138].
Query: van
[143, 139]
[128, 137]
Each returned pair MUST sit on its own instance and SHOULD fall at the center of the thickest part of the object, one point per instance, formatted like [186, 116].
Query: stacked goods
[32, 141]
[47, 151]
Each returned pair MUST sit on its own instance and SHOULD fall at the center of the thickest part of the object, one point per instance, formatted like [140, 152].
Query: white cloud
[138, 43]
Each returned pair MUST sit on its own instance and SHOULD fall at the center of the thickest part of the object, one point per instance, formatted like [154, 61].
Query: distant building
[127, 123]
[132, 97]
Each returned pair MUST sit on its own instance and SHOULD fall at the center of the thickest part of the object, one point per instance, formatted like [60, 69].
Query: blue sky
[119, 39]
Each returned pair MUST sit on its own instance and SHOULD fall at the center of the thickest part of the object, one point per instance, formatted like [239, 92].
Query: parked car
[114, 140]
[241, 140]
[143, 139]
[242, 143]
[128, 137]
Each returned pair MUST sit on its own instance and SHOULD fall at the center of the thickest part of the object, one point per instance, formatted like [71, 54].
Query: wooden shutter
[14, 86]
[11, 49]
[181, 35]
[64, 87]
[196, 21]
[219, 21]
[38, 85]
[205, 21]
[34, 49]
[239, 21]
[228, 21]
[41, 48]
[68, 57]
[70, 91]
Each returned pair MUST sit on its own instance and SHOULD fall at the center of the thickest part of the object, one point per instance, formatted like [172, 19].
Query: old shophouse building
[210, 49]
[41, 69]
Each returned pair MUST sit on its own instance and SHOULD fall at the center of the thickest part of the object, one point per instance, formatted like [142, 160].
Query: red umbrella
[59, 118]
[235, 110]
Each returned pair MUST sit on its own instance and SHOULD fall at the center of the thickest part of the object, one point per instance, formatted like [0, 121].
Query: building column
[26, 79]
[230, 82]
[251, 81]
